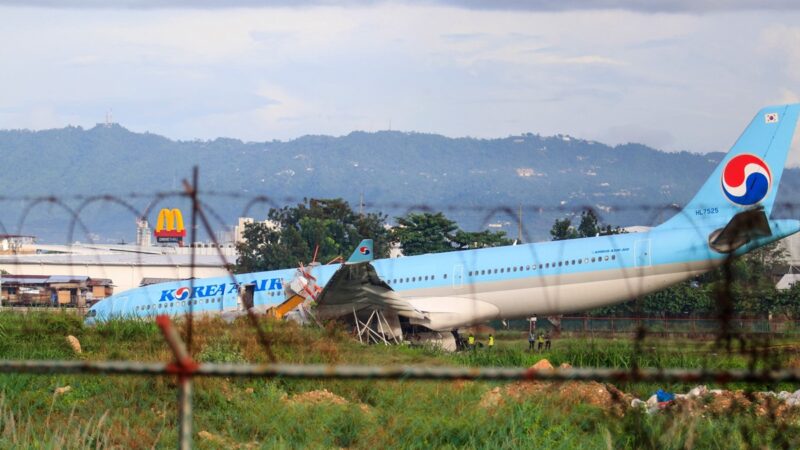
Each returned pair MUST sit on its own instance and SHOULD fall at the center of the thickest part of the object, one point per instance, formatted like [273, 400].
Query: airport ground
[78, 411]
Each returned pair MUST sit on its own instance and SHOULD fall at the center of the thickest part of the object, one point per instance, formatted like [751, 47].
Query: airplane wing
[356, 285]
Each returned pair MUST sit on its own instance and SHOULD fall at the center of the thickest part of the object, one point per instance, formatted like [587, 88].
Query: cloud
[649, 6]
[674, 81]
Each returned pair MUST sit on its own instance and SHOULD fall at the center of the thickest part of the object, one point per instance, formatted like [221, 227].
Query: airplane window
[433, 277]
[592, 258]
[469, 273]
[445, 276]
[413, 279]
[559, 264]
[407, 279]
[606, 258]
[508, 269]
[426, 278]
[586, 260]
[502, 270]
[528, 267]
[613, 257]
[573, 262]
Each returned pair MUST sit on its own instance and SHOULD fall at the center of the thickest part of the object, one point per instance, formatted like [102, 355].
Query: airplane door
[641, 249]
[458, 276]
[248, 296]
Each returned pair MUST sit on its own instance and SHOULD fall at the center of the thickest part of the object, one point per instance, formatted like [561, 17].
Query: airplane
[729, 216]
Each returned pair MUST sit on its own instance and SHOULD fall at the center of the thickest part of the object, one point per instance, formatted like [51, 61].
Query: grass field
[139, 412]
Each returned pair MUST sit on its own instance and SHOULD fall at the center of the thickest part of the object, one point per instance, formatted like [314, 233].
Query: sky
[673, 75]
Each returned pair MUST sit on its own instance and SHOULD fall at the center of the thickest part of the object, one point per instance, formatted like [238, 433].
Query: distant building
[636, 229]
[125, 269]
[238, 229]
[143, 233]
[56, 290]
[16, 244]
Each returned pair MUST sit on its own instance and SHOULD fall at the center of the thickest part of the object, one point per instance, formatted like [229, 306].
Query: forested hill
[467, 178]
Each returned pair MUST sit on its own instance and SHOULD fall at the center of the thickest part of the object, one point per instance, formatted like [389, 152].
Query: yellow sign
[169, 226]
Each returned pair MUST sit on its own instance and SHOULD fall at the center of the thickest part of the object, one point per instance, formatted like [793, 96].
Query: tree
[327, 224]
[480, 239]
[562, 230]
[420, 233]
[589, 226]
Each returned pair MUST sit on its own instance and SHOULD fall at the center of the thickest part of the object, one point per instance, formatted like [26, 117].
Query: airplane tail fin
[362, 253]
[748, 176]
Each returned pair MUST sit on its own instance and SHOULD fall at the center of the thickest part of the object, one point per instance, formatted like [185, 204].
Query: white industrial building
[126, 266]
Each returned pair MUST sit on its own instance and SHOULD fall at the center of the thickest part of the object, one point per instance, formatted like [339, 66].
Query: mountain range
[48, 175]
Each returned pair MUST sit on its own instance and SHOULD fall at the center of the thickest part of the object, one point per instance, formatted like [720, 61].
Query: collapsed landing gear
[376, 329]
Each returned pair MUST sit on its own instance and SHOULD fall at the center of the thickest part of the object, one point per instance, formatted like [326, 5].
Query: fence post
[184, 366]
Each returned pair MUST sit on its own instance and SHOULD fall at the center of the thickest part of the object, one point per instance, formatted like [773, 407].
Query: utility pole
[519, 226]
[361, 205]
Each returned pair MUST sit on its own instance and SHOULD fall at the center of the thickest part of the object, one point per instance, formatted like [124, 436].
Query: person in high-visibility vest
[471, 341]
[491, 341]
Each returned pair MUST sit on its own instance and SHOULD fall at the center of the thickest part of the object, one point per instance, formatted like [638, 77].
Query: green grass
[135, 412]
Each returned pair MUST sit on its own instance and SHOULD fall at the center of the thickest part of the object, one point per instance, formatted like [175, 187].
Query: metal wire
[409, 373]
[186, 369]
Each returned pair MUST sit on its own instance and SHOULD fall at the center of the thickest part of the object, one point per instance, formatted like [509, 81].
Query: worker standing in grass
[531, 340]
[540, 341]
[471, 341]
[547, 341]
[491, 341]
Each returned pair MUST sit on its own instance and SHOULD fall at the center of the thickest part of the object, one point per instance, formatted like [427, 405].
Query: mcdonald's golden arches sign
[169, 226]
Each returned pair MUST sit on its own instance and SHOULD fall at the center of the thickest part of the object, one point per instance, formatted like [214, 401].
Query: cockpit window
[91, 313]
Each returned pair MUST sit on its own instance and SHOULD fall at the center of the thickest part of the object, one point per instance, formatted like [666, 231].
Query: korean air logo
[364, 250]
[746, 180]
[182, 293]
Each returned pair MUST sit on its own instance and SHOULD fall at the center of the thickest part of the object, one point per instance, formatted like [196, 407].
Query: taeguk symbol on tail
[746, 179]
[364, 250]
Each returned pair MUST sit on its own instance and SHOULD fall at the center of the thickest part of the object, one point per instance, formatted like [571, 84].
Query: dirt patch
[542, 364]
[222, 441]
[604, 396]
[725, 402]
[324, 397]
[492, 399]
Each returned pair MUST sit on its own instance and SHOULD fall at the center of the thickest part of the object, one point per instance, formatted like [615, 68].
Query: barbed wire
[763, 356]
